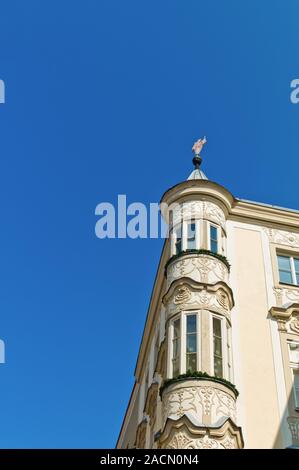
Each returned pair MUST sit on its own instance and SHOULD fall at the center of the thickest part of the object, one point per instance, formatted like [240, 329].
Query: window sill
[286, 284]
[200, 376]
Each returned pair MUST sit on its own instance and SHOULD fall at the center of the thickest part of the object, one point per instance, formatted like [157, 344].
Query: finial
[197, 147]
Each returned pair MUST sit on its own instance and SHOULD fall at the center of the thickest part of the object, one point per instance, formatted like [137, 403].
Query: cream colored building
[224, 314]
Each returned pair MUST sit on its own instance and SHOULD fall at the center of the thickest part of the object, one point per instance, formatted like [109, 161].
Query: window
[191, 340]
[213, 239]
[178, 240]
[217, 347]
[184, 344]
[296, 387]
[288, 268]
[176, 347]
[191, 236]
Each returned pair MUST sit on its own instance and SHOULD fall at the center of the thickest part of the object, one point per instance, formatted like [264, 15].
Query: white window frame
[225, 331]
[184, 235]
[219, 237]
[178, 227]
[292, 264]
[183, 318]
[197, 233]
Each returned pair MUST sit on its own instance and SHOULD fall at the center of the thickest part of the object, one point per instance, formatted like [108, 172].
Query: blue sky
[106, 97]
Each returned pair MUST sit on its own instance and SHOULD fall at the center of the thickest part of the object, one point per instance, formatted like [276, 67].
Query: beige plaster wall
[259, 391]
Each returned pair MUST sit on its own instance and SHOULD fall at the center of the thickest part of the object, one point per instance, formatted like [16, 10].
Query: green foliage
[199, 252]
[200, 376]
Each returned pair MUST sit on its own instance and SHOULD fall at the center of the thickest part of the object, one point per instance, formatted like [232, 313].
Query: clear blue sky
[106, 97]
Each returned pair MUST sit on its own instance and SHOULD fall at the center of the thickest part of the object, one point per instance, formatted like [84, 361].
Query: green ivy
[199, 252]
[198, 375]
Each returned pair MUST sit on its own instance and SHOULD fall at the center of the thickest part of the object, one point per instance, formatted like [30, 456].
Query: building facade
[218, 365]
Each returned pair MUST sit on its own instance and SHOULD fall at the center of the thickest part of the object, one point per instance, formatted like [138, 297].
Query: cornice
[192, 190]
[183, 281]
[264, 214]
[234, 208]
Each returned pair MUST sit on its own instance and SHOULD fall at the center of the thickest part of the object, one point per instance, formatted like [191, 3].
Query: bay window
[196, 234]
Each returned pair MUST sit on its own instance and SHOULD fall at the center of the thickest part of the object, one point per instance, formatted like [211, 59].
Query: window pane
[214, 238]
[176, 328]
[284, 263]
[191, 236]
[218, 367]
[175, 367]
[191, 323]
[214, 247]
[296, 263]
[294, 352]
[217, 327]
[213, 232]
[178, 242]
[285, 272]
[191, 343]
[176, 347]
[217, 346]
[286, 277]
[191, 362]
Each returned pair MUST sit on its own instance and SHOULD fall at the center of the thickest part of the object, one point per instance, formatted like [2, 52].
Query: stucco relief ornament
[282, 237]
[182, 441]
[294, 325]
[294, 427]
[292, 294]
[222, 299]
[183, 294]
[179, 441]
[207, 394]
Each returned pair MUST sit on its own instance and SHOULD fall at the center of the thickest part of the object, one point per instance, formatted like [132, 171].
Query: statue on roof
[197, 147]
